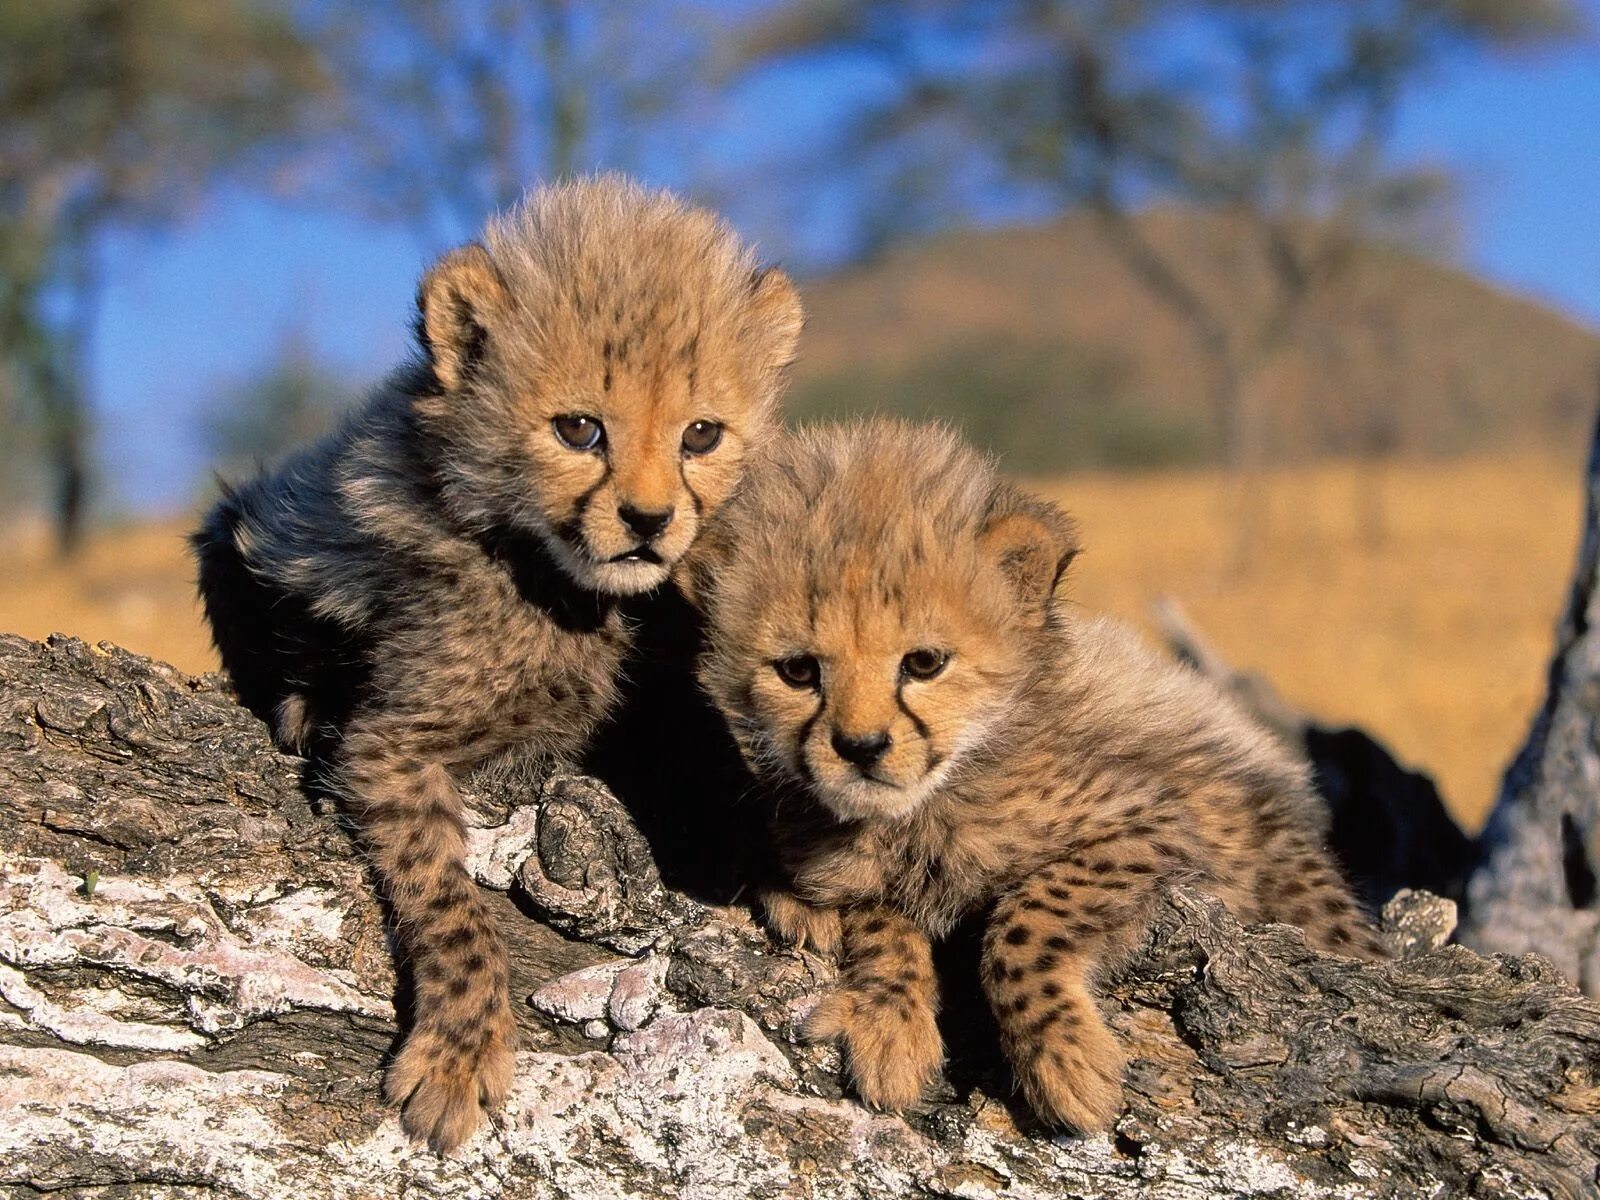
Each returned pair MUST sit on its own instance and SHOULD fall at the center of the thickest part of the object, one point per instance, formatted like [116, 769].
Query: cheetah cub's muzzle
[884, 732]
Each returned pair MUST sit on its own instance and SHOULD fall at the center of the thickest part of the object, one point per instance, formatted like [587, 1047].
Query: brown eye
[923, 664]
[702, 437]
[801, 671]
[580, 433]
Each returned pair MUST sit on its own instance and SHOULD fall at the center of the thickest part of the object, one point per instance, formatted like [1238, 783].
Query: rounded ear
[776, 316]
[1033, 542]
[460, 297]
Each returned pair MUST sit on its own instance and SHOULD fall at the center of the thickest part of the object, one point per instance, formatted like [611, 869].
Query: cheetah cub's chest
[937, 870]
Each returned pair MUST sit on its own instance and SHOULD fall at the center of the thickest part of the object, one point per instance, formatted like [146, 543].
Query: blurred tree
[116, 114]
[452, 108]
[1276, 115]
[257, 419]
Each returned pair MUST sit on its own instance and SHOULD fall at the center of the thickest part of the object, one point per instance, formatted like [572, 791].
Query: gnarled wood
[209, 1017]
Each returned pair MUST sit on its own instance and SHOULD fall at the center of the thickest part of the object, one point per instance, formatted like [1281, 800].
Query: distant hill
[1039, 341]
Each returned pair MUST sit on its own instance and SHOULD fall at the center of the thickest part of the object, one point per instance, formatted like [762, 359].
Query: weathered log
[1534, 888]
[197, 995]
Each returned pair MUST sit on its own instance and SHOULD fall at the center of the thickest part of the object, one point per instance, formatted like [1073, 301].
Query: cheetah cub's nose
[645, 524]
[861, 749]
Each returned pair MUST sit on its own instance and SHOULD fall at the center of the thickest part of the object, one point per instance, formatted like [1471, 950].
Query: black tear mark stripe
[581, 504]
[917, 722]
[801, 739]
[694, 496]
[932, 760]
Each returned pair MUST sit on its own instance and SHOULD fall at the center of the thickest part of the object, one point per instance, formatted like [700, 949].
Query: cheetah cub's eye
[924, 664]
[578, 432]
[801, 671]
[702, 437]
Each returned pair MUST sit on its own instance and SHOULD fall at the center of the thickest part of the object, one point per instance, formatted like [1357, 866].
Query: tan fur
[800, 924]
[885, 1009]
[436, 585]
[1053, 772]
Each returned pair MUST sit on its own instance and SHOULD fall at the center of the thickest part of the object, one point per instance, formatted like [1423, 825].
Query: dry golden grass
[132, 585]
[1434, 635]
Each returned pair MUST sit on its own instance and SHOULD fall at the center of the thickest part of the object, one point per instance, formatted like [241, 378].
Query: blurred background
[1294, 304]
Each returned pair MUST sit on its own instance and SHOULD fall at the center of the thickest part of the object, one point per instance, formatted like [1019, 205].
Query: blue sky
[187, 312]
[1524, 137]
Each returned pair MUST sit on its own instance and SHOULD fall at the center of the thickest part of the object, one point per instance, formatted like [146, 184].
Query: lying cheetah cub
[885, 643]
[440, 582]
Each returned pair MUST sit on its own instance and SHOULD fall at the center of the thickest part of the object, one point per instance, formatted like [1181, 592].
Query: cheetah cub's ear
[776, 317]
[1034, 543]
[460, 298]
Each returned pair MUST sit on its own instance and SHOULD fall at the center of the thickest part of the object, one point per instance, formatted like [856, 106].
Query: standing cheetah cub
[437, 583]
[885, 643]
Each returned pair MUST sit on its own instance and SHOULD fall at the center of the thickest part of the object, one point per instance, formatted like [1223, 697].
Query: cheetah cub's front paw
[1074, 1078]
[443, 1086]
[891, 1046]
[794, 921]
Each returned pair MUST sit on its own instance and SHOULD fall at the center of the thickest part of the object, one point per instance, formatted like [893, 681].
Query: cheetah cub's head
[605, 359]
[875, 599]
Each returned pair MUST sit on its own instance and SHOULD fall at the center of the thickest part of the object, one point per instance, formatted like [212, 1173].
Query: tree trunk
[196, 998]
[69, 470]
[1534, 890]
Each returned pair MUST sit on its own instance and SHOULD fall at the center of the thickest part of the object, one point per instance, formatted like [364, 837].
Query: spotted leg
[1042, 947]
[457, 1059]
[883, 1012]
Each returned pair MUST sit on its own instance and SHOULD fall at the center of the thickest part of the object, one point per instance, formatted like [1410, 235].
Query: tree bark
[197, 996]
[1534, 889]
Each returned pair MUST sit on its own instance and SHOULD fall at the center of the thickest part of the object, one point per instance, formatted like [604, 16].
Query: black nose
[645, 524]
[862, 749]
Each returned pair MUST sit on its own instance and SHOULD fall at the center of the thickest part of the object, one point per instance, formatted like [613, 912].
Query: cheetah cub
[437, 584]
[945, 737]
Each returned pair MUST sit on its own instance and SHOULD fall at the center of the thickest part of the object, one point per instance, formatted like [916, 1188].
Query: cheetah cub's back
[888, 646]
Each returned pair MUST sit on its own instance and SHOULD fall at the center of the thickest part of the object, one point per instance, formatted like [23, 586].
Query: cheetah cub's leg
[1304, 887]
[884, 1008]
[1040, 951]
[459, 1055]
[794, 921]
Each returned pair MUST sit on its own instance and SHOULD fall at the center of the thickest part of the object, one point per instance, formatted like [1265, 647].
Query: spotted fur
[887, 641]
[437, 584]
